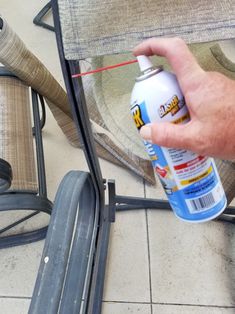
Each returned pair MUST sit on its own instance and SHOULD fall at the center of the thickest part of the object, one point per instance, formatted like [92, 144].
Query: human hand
[210, 98]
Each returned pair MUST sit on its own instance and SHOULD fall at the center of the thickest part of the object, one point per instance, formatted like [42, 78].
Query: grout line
[144, 303]
[126, 302]
[197, 305]
[149, 261]
[173, 304]
[14, 297]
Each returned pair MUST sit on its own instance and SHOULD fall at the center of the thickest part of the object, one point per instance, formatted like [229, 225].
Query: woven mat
[94, 27]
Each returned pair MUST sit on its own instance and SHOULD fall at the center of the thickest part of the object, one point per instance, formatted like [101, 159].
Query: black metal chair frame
[38, 19]
[89, 288]
[22, 199]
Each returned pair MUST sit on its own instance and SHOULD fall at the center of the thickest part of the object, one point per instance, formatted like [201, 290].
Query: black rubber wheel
[5, 175]
[62, 273]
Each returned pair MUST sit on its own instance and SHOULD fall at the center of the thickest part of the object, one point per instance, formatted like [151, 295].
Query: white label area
[186, 166]
[206, 201]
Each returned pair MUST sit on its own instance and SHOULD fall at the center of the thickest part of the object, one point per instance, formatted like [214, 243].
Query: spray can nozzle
[144, 63]
[147, 68]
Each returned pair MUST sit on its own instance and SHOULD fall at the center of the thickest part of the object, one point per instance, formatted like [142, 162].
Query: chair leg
[121, 203]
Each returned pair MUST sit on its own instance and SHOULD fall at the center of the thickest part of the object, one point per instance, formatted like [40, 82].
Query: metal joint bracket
[112, 200]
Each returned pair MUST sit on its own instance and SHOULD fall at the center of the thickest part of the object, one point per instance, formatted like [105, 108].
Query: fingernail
[146, 132]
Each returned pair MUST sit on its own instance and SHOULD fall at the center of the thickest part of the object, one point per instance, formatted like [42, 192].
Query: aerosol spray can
[191, 181]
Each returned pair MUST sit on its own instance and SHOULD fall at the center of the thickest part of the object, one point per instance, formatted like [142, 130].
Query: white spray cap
[144, 63]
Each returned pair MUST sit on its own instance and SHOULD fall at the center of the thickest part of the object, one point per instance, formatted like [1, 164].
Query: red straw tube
[104, 68]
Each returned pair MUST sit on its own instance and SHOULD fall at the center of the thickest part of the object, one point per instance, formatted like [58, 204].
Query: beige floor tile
[127, 273]
[190, 263]
[126, 183]
[128, 244]
[14, 306]
[155, 191]
[125, 308]
[9, 217]
[18, 268]
[179, 309]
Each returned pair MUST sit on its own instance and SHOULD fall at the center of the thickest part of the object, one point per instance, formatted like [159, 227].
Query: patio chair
[72, 268]
[22, 179]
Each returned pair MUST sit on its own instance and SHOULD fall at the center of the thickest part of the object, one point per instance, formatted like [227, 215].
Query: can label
[190, 181]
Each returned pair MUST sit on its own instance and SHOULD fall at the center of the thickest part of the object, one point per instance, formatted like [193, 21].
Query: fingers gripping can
[191, 181]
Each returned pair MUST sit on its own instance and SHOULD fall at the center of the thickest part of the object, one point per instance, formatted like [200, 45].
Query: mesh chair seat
[94, 27]
[16, 140]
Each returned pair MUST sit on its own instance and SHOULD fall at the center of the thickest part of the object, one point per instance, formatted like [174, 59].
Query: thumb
[167, 134]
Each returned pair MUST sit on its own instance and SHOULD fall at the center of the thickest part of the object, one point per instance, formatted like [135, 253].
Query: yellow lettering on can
[137, 117]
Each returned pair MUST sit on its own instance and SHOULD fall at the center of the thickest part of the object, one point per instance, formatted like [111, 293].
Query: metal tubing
[39, 151]
[144, 202]
[38, 18]
[23, 238]
[123, 203]
[43, 118]
[43, 115]
[97, 285]
[17, 222]
[81, 118]
[5, 72]
[24, 201]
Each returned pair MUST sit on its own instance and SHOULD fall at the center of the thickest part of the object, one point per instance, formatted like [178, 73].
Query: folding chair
[72, 269]
[22, 180]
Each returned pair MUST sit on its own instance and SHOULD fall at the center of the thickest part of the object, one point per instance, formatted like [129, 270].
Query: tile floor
[156, 264]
